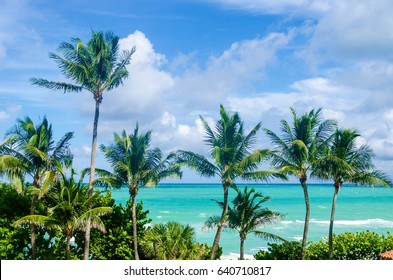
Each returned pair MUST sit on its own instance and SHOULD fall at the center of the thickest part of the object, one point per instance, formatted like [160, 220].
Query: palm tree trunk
[336, 189]
[68, 248]
[33, 229]
[92, 171]
[307, 218]
[242, 239]
[34, 197]
[134, 226]
[221, 224]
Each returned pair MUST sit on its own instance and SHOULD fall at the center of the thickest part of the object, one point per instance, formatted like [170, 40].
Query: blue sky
[257, 57]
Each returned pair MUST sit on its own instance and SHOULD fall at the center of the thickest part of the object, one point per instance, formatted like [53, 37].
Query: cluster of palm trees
[311, 147]
[307, 147]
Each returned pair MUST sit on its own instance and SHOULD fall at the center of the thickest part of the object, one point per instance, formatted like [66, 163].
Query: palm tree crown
[300, 144]
[34, 148]
[97, 66]
[134, 164]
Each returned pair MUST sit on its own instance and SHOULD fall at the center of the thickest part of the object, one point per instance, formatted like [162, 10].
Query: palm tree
[247, 216]
[30, 151]
[135, 165]
[72, 211]
[345, 161]
[297, 150]
[171, 241]
[96, 67]
[230, 149]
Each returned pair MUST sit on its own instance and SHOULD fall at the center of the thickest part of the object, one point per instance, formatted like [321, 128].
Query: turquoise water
[358, 209]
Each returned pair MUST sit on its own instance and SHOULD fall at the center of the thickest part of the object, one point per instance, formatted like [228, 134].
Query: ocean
[358, 209]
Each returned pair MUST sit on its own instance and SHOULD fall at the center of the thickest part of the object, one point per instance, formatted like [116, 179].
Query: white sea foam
[367, 222]
[165, 212]
[277, 228]
[297, 237]
[371, 222]
[236, 256]
[286, 222]
[159, 217]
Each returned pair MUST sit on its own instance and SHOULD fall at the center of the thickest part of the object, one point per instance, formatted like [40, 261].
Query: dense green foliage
[364, 245]
[116, 244]
[173, 241]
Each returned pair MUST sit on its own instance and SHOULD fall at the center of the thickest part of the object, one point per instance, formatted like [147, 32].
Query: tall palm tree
[72, 210]
[298, 148]
[96, 67]
[171, 241]
[135, 165]
[247, 215]
[230, 149]
[345, 161]
[30, 151]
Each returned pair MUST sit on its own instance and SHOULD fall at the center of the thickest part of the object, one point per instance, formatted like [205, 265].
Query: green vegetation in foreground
[115, 244]
[364, 245]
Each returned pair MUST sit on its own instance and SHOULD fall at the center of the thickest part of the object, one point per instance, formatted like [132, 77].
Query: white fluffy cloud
[354, 29]
[146, 87]
[230, 73]
[9, 111]
[4, 116]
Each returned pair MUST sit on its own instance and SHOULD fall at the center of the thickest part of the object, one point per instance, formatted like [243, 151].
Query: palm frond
[38, 220]
[196, 162]
[66, 87]
[212, 222]
[269, 236]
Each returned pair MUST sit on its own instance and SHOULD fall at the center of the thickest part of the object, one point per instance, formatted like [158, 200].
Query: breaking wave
[367, 222]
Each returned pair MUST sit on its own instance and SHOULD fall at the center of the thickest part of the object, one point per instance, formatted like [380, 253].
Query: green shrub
[116, 244]
[361, 246]
[283, 251]
[364, 245]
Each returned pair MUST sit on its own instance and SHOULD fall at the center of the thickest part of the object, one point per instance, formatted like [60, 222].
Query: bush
[364, 245]
[173, 241]
[283, 251]
[116, 244]
[361, 246]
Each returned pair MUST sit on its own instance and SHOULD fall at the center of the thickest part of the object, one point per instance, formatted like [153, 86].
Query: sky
[255, 57]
